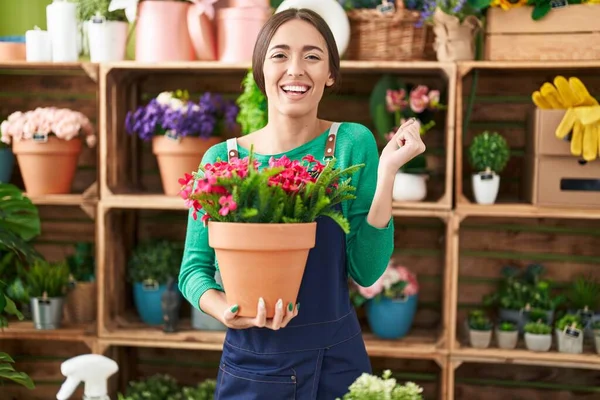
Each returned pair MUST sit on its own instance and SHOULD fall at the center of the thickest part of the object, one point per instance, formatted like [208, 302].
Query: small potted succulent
[480, 329]
[368, 386]
[488, 155]
[391, 302]
[182, 130]
[150, 267]
[47, 284]
[538, 336]
[507, 335]
[569, 334]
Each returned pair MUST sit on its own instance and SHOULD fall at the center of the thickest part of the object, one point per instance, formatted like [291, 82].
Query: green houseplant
[252, 105]
[368, 386]
[569, 334]
[507, 335]
[81, 300]
[47, 284]
[488, 155]
[538, 336]
[480, 329]
[150, 267]
[584, 300]
[155, 387]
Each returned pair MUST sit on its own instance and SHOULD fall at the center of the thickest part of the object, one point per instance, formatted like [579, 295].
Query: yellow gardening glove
[585, 99]
[584, 123]
[563, 94]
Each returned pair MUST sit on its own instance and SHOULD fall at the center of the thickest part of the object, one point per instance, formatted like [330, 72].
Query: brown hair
[268, 30]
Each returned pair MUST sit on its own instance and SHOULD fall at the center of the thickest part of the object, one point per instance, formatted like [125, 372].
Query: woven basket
[81, 303]
[387, 37]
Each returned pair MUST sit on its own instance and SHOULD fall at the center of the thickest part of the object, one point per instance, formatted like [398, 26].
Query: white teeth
[299, 89]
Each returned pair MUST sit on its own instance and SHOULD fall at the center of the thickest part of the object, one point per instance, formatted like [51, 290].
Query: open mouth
[295, 89]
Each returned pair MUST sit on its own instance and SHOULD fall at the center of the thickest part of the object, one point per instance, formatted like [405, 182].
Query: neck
[285, 133]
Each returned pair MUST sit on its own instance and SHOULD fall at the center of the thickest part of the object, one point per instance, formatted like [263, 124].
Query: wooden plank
[576, 18]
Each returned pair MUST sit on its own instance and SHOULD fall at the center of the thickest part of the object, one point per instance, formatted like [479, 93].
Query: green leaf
[540, 11]
[11, 308]
[3, 300]
[17, 213]
[479, 4]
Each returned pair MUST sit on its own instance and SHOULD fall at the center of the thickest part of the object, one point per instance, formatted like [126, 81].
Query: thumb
[231, 313]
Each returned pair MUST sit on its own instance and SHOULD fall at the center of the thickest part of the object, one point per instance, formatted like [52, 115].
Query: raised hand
[283, 315]
[404, 146]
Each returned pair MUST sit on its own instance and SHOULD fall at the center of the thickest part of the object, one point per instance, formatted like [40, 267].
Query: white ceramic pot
[569, 344]
[409, 187]
[597, 340]
[107, 40]
[485, 187]
[480, 339]
[538, 343]
[507, 340]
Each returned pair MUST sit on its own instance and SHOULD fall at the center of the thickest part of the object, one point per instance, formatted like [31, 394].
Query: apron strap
[331, 139]
[232, 150]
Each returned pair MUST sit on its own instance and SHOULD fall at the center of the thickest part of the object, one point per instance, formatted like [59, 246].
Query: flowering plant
[369, 386]
[396, 282]
[63, 123]
[540, 8]
[461, 9]
[173, 114]
[285, 191]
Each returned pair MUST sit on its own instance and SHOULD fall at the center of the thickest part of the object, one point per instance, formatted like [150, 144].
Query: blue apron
[320, 352]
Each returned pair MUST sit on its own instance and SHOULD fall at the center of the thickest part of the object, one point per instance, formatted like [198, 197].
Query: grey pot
[480, 339]
[568, 344]
[538, 343]
[47, 313]
[507, 340]
[520, 318]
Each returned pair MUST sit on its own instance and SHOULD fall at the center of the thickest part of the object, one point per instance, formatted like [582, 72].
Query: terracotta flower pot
[178, 157]
[261, 260]
[47, 167]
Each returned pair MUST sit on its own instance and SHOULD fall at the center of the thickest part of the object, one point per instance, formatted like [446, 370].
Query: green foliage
[8, 372]
[507, 326]
[165, 387]
[489, 151]
[260, 202]
[523, 289]
[155, 261]
[203, 391]
[82, 264]
[371, 387]
[252, 102]
[596, 325]
[47, 278]
[87, 9]
[569, 320]
[585, 293]
[537, 328]
[478, 321]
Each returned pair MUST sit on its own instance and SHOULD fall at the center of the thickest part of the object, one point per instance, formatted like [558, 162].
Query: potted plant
[81, 300]
[596, 330]
[47, 284]
[205, 390]
[368, 386]
[480, 329]
[507, 335]
[150, 267]
[488, 155]
[47, 144]
[7, 162]
[538, 336]
[584, 299]
[392, 102]
[181, 131]
[105, 32]
[391, 302]
[269, 213]
[569, 334]
[252, 104]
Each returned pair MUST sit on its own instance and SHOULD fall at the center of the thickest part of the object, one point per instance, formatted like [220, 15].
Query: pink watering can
[168, 30]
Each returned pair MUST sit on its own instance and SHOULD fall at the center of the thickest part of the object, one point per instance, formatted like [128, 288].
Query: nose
[295, 67]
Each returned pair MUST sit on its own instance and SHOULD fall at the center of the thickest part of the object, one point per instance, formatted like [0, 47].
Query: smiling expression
[296, 69]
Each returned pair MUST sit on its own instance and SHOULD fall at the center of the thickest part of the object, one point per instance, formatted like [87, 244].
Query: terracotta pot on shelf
[47, 167]
[261, 260]
[177, 157]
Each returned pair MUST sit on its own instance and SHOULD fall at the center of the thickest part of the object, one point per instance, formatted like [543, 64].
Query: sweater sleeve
[197, 272]
[368, 248]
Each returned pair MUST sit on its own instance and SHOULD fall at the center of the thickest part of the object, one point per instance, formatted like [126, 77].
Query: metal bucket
[47, 313]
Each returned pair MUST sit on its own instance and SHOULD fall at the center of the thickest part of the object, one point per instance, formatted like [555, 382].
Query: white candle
[38, 46]
[62, 25]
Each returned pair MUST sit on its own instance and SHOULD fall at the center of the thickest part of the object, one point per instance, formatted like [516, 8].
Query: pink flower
[371, 291]
[395, 100]
[419, 99]
[227, 205]
[434, 98]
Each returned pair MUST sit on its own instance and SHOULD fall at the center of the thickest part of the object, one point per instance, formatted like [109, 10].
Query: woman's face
[296, 69]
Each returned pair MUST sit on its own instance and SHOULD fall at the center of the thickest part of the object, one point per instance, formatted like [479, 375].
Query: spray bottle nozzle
[91, 369]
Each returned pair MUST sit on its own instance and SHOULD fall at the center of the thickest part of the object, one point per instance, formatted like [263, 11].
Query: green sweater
[368, 248]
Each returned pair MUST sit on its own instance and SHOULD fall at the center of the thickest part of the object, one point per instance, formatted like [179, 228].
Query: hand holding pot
[283, 315]
[404, 146]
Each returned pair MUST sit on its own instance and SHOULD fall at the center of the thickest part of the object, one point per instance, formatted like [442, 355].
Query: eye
[313, 57]
[278, 55]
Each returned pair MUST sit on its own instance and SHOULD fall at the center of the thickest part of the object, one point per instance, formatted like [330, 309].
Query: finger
[278, 317]
[290, 314]
[231, 313]
[261, 315]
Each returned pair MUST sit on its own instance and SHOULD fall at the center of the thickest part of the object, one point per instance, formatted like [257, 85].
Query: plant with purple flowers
[458, 8]
[173, 114]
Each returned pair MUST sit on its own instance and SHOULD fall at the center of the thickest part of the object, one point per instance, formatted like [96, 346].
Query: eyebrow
[308, 47]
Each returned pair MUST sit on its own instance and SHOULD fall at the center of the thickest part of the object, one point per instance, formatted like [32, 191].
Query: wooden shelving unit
[125, 196]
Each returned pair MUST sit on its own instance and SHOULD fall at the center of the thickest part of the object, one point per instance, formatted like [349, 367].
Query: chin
[295, 111]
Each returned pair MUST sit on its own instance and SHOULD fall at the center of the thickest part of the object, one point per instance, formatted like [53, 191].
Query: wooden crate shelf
[24, 330]
[132, 168]
[496, 96]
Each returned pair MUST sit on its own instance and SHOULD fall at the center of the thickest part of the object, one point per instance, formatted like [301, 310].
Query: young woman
[318, 351]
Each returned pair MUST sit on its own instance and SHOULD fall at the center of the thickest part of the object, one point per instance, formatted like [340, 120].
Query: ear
[330, 81]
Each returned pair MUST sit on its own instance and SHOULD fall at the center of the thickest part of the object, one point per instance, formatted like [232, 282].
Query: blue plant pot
[391, 319]
[147, 299]
[7, 163]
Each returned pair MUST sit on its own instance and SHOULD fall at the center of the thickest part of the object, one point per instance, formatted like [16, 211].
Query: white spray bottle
[91, 369]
